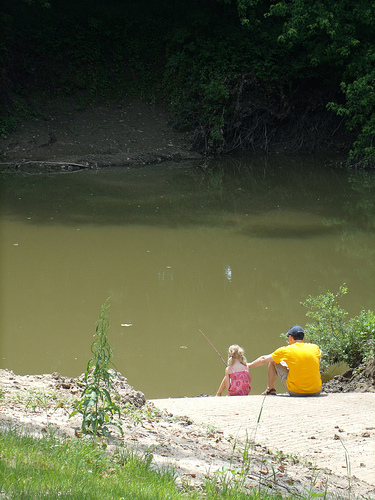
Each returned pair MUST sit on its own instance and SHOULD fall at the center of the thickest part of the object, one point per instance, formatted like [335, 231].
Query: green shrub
[361, 337]
[351, 342]
[359, 109]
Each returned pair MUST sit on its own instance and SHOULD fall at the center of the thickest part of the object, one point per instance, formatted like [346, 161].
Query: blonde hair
[235, 352]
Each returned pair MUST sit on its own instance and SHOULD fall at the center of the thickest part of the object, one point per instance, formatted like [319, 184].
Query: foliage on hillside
[342, 341]
[243, 74]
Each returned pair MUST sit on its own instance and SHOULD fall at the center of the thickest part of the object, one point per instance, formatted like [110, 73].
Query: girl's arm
[224, 383]
[222, 387]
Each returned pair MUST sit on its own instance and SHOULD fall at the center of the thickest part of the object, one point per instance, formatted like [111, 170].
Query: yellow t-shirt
[303, 363]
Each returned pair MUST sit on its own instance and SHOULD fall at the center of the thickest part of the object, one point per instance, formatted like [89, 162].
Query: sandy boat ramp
[333, 431]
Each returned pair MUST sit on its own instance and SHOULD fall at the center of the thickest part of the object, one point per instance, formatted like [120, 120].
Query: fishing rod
[217, 352]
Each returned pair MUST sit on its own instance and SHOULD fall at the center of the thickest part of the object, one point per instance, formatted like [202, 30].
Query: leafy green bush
[361, 337]
[351, 342]
[359, 110]
[96, 405]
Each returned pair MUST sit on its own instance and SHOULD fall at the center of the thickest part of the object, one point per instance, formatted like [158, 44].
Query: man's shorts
[282, 372]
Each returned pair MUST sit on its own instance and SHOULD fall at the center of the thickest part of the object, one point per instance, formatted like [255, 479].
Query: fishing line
[217, 352]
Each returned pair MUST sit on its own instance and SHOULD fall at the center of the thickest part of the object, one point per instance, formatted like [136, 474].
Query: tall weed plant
[96, 405]
[349, 341]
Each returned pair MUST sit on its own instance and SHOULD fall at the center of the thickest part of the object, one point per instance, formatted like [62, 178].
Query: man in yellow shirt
[297, 366]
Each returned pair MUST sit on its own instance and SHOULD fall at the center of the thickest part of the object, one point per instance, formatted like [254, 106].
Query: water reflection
[228, 272]
[230, 249]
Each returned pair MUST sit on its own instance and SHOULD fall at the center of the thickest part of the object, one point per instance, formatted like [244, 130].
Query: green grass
[49, 468]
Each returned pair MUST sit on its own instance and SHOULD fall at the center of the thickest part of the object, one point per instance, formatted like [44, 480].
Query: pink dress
[239, 383]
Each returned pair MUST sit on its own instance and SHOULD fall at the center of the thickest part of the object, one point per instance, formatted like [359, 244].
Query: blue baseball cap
[296, 331]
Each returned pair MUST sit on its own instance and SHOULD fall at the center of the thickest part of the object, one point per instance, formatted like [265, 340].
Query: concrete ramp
[332, 430]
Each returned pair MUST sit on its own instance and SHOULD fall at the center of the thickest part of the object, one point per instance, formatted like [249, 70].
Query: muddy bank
[131, 133]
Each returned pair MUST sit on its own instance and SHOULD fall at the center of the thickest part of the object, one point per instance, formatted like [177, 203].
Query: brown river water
[230, 249]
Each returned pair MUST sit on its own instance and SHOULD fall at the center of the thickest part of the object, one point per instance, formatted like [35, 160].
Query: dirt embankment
[361, 379]
[64, 137]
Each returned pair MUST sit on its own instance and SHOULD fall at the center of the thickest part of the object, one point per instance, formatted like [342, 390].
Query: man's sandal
[269, 392]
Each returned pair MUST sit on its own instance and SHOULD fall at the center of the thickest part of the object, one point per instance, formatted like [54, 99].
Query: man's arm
[262, 360]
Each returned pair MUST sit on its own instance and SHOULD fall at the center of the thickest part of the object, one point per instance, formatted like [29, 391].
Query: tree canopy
[242, 74]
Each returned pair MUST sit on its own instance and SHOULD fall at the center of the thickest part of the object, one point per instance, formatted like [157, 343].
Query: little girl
[237, 378]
